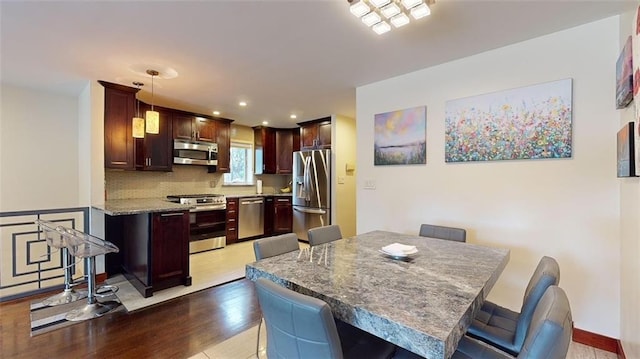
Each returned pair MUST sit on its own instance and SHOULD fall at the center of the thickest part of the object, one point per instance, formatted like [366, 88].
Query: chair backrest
[298, 326]
[276, 245]
[442, 232]
[325, 234]
[547, 273]
[549, 335]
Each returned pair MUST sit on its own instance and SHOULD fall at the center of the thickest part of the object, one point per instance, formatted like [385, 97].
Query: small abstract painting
[624, 76]
[625, 152]
[400, 137]
[530, 122]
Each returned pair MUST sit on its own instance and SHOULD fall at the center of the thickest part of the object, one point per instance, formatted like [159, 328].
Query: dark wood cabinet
[274, 150]
[154, 151]
[188, 126]
[315, 134]
[284, 151]
[268, 216]
[224, 146]
[232, 220]
[119, 110]
[170, 249]
[183, 126]
[282, 215]
[205, 129]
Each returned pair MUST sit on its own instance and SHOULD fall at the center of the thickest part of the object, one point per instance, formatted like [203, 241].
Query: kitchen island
[153, 237]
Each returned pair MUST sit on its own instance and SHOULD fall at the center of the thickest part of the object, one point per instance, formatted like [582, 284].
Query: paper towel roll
[259, 186]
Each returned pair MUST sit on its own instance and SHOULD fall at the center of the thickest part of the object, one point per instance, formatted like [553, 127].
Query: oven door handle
[208, 208]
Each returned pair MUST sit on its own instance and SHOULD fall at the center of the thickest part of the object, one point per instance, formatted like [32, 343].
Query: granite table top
[423, 303]
[121, 207]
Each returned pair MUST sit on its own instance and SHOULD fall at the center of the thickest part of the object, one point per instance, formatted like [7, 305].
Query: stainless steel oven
[207, 221]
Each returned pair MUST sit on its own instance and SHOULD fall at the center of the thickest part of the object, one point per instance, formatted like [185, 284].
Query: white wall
[565, 208]
[38, 150]
[629, 233]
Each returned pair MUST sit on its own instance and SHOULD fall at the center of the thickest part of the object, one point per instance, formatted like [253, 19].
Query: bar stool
[55, 239]
[87, 247]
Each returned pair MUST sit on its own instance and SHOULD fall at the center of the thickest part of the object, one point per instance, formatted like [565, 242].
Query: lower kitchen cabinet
[282, 215]
[232, 220]
[170, 249]
[268, 216]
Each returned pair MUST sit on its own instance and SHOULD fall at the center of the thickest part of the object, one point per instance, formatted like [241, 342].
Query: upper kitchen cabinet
[274, 150]
[154, 152]
[315, 134]
[223, 134]
[191, 127]
[119, 110]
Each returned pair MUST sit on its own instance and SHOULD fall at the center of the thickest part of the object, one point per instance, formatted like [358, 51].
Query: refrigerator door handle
[311, 211]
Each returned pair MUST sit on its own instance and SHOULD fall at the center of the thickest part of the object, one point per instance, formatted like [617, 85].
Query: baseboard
[598, 341]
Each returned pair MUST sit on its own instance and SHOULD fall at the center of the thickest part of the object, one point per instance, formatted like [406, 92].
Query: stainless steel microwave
[187, 152]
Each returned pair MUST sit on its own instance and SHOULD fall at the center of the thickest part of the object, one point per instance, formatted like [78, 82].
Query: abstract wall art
[400, 137]
[530, 122]
[624, 76]
[625, 151]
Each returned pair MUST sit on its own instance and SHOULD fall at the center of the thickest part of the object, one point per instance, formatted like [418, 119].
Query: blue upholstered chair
[299, 326]
[325, 234]
[442, 232]
[505, 328]
[276, 245]
[548, 336]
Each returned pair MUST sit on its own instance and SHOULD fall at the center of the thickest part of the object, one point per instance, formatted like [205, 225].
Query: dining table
[423, 302]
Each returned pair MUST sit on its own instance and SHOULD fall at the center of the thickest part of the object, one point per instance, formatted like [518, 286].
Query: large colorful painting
[524, 123]
[625, 152]
[401, 137]
[624, 77]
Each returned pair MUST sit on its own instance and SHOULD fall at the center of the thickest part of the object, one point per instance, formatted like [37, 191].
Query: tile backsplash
[183, 180]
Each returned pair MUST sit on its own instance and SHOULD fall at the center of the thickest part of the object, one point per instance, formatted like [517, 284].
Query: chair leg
[69, 294]
[93, 309]
[258, 340]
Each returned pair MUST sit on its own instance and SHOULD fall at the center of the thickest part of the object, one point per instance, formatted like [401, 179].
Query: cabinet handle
[171, 214]
[283, 200]
[198, 135]
[193, 134]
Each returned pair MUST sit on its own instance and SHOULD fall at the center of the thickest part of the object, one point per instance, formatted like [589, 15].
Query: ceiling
[296, 56]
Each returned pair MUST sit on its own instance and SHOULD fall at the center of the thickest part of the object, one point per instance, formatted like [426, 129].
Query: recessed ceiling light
[265, 122]
[216, 113]
[242, 103]
[293, 117]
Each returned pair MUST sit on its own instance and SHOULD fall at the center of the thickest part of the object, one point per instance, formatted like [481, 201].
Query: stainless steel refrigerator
[311, 190]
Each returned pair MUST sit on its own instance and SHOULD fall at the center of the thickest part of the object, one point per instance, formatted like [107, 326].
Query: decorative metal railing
[27, 264]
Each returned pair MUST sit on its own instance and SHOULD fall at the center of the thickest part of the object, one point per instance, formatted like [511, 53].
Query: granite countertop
[423, 304]
[120, 207]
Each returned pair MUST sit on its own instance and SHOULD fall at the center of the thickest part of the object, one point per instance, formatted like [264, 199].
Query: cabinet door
[268, 216]
[205, 129]
[119, 109]
[282, 215]
[265, 150]
[183, 126]
[170, 249]
[308, 136]
[232, 220]
[284, 152]
[224, 146]
[158, 148]
[324, 135]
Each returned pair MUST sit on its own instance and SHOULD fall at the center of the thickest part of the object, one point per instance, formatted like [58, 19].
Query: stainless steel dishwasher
[251, 217]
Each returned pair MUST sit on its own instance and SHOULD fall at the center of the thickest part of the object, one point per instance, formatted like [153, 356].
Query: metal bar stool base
[67, 296]
[91, 311]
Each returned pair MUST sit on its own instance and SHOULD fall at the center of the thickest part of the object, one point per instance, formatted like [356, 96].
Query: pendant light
[138, 122]
[153, 117]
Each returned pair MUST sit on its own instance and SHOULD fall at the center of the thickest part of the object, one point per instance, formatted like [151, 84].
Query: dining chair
[275, 245]
[270, 247]
[548, 336]
[505, 328]
[300, 326]
[442, 232]
[325, 234]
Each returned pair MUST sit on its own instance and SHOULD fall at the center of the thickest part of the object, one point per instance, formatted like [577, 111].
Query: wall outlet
[369, 184]
[340, 179]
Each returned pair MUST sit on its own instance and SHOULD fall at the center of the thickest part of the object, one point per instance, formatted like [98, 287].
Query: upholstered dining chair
[325, 234]
[505, 328]
[442, 232]
[548, 336]
[270, 247]
[275, 245]
[299, 326]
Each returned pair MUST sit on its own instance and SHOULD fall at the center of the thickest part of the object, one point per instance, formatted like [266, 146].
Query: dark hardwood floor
[176, 329]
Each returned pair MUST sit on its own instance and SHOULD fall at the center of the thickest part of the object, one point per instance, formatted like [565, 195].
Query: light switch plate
[369, 184]
[340, 179]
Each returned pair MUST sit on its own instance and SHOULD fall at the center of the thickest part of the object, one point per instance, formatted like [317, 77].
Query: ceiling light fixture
[152, 117]
[293, 116]
[216, 113]
[242, 103]
[137, 125]
[372, 12]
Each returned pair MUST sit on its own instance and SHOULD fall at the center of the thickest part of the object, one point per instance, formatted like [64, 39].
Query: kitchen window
[241, 164]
